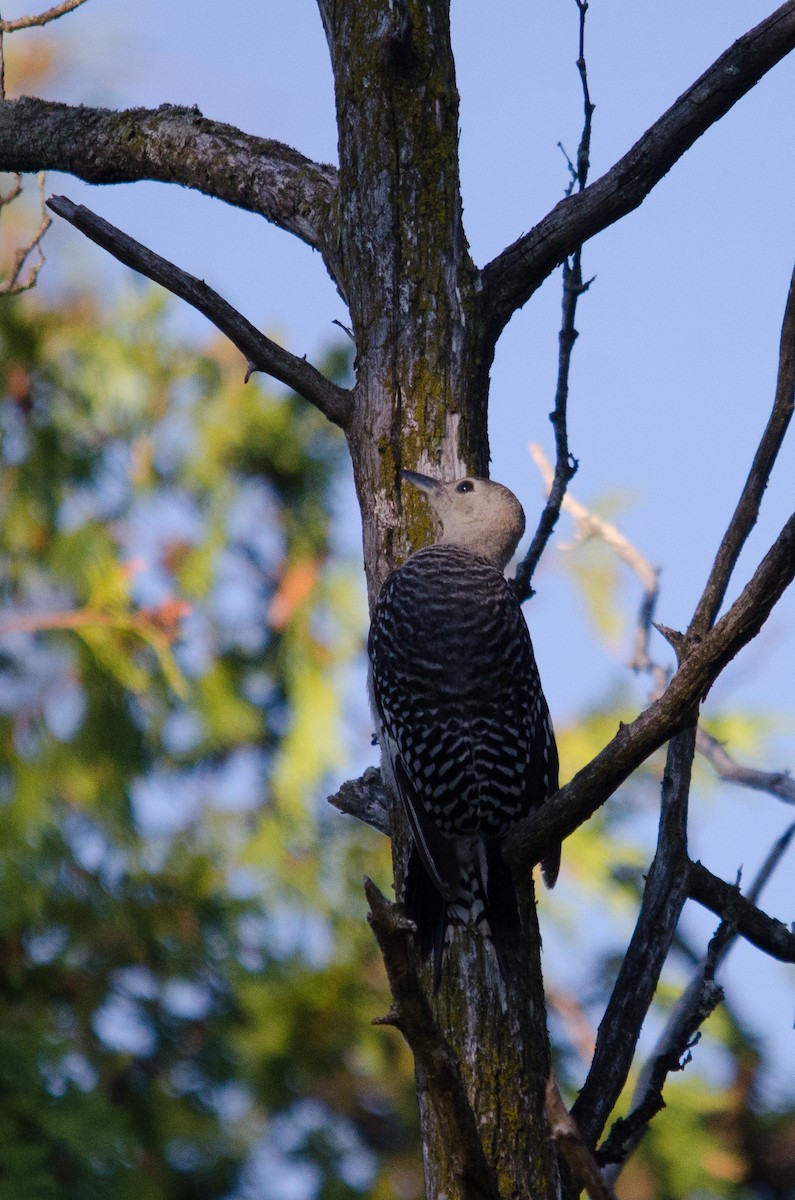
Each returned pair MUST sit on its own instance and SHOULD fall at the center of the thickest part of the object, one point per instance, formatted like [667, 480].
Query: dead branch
[261, 353]
[366, 799]
[411, 1014]
[591, 525]
[52, 14]
[633, 743]
[12, 193]
[672, 1051]
[726, 901]
[172, 144]
[663, 899]
[512, 277]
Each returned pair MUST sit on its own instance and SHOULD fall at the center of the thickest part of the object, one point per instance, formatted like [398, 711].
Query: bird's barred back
[459, 692]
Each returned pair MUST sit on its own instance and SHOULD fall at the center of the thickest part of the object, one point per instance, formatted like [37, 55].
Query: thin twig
[261, 353]
[590, 525]
[573, 287]
[16, 187]
[747, 509]
[14, 285]
[52, 14]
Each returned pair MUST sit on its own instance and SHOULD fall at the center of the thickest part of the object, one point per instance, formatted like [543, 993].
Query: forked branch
[682, 1029]
[18, 281]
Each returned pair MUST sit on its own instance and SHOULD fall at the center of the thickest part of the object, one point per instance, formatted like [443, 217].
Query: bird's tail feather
[486, 898]
[427, 908]
[550, 865]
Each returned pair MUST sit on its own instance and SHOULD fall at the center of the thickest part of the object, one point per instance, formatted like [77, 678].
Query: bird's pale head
[477, 514]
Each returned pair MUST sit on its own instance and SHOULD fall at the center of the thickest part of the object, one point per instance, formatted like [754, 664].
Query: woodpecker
[466, 739]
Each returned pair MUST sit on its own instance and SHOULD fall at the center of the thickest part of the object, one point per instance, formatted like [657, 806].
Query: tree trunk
[421, 392]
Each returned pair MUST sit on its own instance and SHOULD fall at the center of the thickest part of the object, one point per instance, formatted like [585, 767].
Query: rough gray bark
[425, 320]
[171, 144]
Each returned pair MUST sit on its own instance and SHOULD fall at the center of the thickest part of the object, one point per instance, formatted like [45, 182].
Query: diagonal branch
[726, 901]
[512, 277]
[663, 899]
[747, 510]
[171, 144]
[633, 743]
[775, 783]
[435, 1062]
[262, 354]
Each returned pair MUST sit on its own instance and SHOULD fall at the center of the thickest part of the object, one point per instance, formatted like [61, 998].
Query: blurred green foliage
[182, 935]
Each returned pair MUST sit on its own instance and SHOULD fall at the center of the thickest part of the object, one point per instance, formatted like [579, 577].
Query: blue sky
[674, 370]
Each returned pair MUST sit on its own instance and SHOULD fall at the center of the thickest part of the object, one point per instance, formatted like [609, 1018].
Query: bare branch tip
[392, 1018]
[672, 636]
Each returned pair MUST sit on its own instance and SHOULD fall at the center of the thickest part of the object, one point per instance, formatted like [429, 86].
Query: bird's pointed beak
[423, 482]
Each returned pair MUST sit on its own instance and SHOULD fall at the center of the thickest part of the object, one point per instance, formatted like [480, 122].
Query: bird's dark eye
[466, 485]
